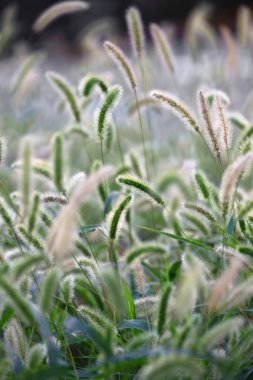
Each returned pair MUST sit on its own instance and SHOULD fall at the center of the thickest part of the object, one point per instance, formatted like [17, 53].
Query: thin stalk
[144, 84]
[118, 142]
[103, 162]
[142, 135]
[145, 150]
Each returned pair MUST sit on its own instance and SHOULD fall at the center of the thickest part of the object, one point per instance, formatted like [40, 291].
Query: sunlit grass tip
[57, 10]
[66, 91]
[136, 30]
[177, 107]
[122, 62]
[162, 47]
[141, 187]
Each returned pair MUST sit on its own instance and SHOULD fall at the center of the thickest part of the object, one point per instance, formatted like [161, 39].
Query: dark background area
[152, 10]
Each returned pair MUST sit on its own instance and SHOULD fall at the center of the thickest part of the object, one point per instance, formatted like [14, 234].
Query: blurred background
[67, 28]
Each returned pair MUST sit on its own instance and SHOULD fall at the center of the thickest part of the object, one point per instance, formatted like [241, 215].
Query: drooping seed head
[143, 188]
[176, 106]
[89, 82]
[122, 62]
[116, 217]
[58, 10]
[66, 91]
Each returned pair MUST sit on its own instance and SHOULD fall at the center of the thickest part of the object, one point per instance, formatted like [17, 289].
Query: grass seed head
[176, 106]
[162, 47]
[123, 63]
[55, 11]
[136, 30]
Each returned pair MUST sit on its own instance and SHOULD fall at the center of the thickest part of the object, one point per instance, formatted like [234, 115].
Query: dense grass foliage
[126, 207]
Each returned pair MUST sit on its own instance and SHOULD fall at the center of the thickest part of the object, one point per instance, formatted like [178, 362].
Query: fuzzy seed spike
[36, 355]
[54, 198]
[162, 309]
[112, 97]
[123, 63]
[5, 213]
[96, 316]
[202, 184]
[116, 215]
[176, 106]
[211, 133]
[243, 25]
[162, 47]
[58, 168]
[66, 91]
[143, 249]
[141, 187]
[14, 336]
[31, 239]
[223, 123]
[136, 31]
[230, 178]
[68, 288]
[3, 151]
[48, 290]
[201, 210]
[88, 84]
[34, 213]
[56, 11]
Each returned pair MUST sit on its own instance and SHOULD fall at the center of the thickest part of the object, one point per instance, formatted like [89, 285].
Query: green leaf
[88, 228]
[231, 226]
[130, 307]
[139, 324]
[174, 270]
[195, 242]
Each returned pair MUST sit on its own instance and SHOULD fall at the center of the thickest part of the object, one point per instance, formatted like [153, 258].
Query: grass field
[126, 203]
